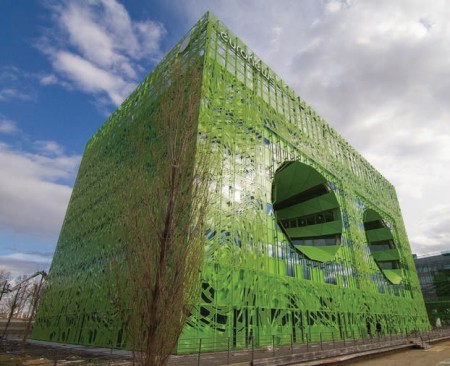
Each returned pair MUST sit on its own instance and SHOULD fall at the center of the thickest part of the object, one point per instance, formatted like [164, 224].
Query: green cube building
[305, 239]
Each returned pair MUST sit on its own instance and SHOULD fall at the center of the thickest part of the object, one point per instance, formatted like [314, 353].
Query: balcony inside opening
[382, 246]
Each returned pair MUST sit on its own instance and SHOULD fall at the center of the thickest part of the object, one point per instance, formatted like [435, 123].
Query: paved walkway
[437, 355]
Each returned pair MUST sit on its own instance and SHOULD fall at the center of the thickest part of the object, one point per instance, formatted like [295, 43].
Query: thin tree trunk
[35, 302]
[13, 307]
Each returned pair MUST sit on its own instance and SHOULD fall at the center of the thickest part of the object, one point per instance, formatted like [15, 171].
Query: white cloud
[86, 35]
[14, 84]
[11, 93]
[33, 199]
[333, 6]
[7, 126]
[17, 264]
[98, 49]
[49, 147]
[90, 78]
[48, 79]
[434, 229]
[32, 257]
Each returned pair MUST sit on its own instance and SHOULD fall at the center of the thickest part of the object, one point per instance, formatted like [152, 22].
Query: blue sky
[376, 71]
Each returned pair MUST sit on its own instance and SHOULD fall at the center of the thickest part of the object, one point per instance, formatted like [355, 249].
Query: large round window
[307, 211]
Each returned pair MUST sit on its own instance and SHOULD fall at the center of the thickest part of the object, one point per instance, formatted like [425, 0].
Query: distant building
[434, 277]
[305, 239]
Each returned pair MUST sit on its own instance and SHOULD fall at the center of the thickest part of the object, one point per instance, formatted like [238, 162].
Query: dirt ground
[437, 354]
[12, 355]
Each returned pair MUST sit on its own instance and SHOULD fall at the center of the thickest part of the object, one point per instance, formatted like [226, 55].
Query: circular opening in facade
[307, 211]
[382, 246]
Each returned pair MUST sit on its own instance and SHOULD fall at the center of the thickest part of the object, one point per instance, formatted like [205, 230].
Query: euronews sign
[251, 59]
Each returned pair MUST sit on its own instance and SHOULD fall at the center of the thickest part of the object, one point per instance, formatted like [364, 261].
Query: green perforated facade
[304, 238]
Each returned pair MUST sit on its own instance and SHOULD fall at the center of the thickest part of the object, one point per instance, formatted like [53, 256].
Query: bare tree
[162, 223]
[21, 301]
[17, 299]
[12, 304]
[4, 283]
[37, 287]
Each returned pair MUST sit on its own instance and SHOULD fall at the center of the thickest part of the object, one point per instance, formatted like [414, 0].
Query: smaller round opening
[382, 246]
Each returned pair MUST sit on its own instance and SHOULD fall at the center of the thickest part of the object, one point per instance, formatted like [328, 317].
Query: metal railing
[225, 351]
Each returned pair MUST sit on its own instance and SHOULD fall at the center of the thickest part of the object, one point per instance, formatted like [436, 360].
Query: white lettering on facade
[256, 64]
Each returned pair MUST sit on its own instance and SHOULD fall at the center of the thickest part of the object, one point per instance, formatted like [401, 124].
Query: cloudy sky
[377, 71]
